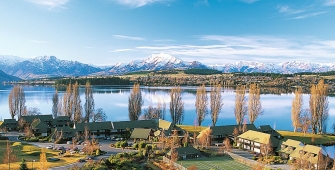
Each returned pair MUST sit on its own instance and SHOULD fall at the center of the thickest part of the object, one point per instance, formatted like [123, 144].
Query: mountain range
[50, 66]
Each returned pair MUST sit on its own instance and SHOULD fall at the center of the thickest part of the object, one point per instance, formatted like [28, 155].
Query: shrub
[135, 146]
[141, 145]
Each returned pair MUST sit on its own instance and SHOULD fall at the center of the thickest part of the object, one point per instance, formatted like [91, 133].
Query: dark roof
[229, 129]
[268, 129]
[43, 118]
[9, 121]
[41, 126]
[152, 124]
[140, 133]
[67, 132]
[92, 126]
[186, 150]
[62, 118]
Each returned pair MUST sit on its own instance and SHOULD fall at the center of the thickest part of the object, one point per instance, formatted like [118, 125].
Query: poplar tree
[89, 102]
[176, 106]
[16, 102]
[135, 103]
[43, 160]
[216, 103]
[318, 105]
[76, 104]
[9, 156]
[67, 102]
[296, 108]
[201, 101]
[55, 103]
[254, 102]
[240, 104]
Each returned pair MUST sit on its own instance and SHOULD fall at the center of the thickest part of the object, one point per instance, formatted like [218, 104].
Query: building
[219, 133]
[286, 148]
[47, 119]
[188, 152]
[61, 121]
[9, 124]
[141, 134]
[257, 142]
[311, 154]
[96, 129]
[39, 128]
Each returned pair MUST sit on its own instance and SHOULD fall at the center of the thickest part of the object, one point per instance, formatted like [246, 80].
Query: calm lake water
[114, 101]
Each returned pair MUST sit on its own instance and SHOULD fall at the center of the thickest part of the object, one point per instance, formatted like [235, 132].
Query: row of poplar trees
[254, 107]
[315, 117]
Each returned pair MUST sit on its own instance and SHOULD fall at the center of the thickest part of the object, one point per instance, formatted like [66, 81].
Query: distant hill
[5, 77]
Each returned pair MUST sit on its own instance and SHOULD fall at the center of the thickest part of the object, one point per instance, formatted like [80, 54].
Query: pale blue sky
[104, 32]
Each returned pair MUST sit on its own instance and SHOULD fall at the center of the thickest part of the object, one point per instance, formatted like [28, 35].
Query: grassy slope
[192, 129]
[318, 139]
[30, 153]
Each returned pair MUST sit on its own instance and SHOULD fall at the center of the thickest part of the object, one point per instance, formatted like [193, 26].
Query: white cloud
[121, 50]
[50, 3]
[128, 37]
[309, 15]
[225, 49]
[329, 3]
[137, 3]
[288, 10]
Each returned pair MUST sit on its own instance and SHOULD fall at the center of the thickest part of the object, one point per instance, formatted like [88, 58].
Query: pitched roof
[268, 129]
[9, 121]
[259, 137]
[153, 124]
[289, 146]
[43, 118]
[309, 153]
[140, 133]
[41, 126]
[163, 124]
[93, 126]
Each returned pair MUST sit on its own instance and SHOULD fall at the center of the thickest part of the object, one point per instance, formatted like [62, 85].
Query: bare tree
[266, 147]
[227, 145]
[204, 137]
[31, 111]
[55, 102]
[76, 104]
[28, 132]
[296, 108]
[255, 105]
[135, 103]
[89, 102]
[176, 106]
[240, 104]
[43, 160]
[67, 102]
[60, 107]
[318, 105]
[99, 115]
[16, 102]
[201, 101]
[9, 156]
[216, 103]
[305, 121]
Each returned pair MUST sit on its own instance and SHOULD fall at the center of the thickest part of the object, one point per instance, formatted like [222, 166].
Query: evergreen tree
[23, 165]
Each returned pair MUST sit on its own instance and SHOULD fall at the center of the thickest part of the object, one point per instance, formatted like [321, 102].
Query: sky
[106, 32]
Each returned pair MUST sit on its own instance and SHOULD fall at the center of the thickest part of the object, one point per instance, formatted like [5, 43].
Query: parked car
[89, 157]
[69, 142]
[50, 147]
[81, 160]
[60, 148]
[108, 138]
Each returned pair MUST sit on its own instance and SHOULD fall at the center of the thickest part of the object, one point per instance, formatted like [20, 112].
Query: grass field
[318, 139]
[217, 163]
[30, 153]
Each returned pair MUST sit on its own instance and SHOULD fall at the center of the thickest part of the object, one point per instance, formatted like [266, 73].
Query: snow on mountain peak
[162, 58]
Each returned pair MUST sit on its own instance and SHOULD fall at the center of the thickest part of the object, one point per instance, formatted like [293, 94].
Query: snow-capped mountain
[48, 66]
[154, 62]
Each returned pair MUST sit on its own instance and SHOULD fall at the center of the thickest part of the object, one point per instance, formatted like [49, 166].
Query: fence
[244, 160]
[176, 165]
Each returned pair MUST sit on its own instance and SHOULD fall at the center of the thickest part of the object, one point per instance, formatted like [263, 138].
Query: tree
[216, 103]
[31, 111]
[240, 104]
[55, 103]
[28, 132]
[154, 112]
[16, 102]
[76, 104]
[201, 101]
[176, 106]
[227, 145]
[266, 147]
[23, 165]
[43, 160]
[9, 155]
[296, 108]
[204, 137]
[305, 121]
[318, 105]
[135, 103]
[67, 102]
[89, 102]
[99, 115]
[255, 105]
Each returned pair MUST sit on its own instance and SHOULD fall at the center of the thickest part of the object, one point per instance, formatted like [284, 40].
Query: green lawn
[318, 139]
[192, 129]
[30, 153]
[217, 163]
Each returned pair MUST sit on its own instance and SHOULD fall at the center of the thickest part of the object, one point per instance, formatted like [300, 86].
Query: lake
[114, 101]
